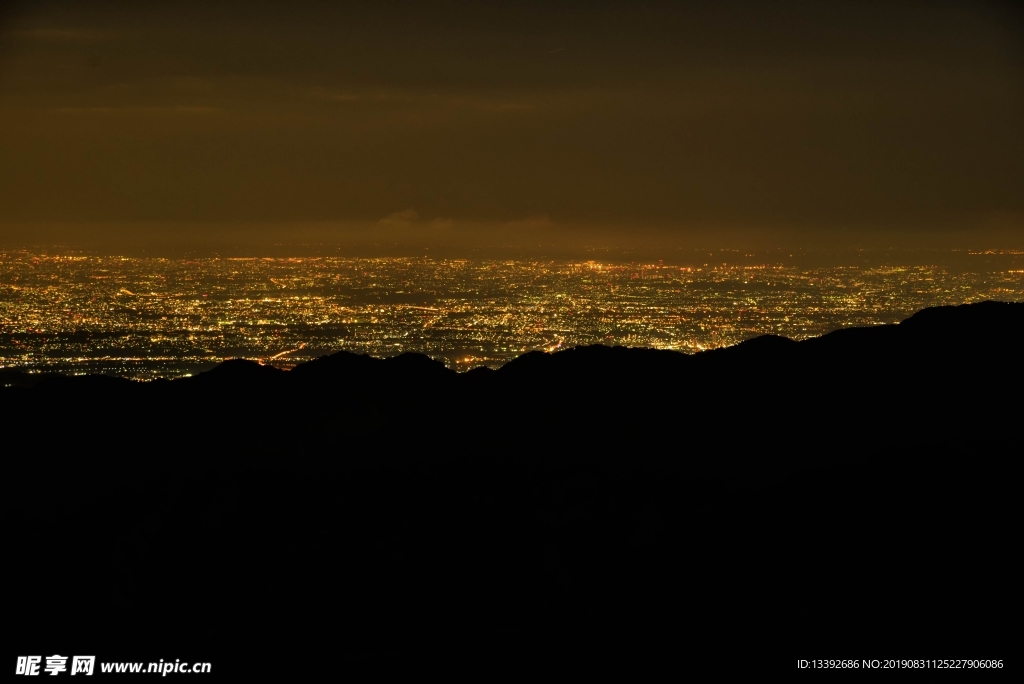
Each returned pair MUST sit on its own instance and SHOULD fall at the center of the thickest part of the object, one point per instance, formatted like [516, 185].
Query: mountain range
[847, 496]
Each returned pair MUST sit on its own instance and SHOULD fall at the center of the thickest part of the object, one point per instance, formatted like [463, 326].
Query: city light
[146, 318]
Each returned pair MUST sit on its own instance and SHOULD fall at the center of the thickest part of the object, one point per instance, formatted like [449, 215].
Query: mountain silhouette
[847, 496]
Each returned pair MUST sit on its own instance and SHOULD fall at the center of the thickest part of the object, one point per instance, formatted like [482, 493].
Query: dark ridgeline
[844, 497]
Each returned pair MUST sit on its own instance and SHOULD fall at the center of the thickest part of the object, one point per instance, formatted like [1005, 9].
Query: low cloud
[65, 35]
[179, 109]
[399, 219]
[333, 96]
[414, 97]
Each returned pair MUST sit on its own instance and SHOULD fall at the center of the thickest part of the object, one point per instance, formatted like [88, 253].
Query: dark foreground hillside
[848, 496]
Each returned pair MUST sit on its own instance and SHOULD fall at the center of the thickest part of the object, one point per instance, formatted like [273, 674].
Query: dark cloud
[629, 120]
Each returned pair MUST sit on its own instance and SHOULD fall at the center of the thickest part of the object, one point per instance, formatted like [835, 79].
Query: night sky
[127, 126]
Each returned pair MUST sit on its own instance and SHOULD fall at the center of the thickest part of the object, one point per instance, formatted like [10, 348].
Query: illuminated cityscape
[149, 317]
